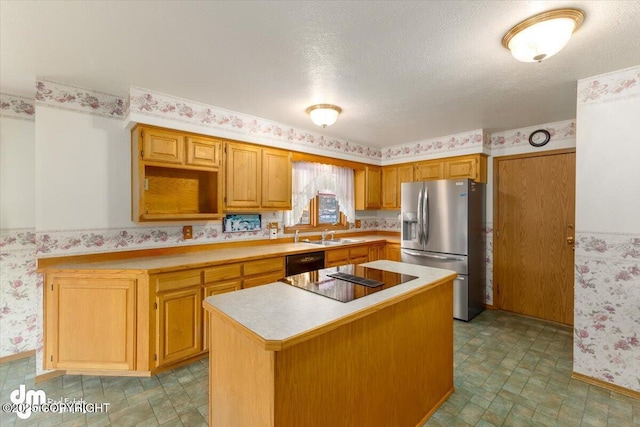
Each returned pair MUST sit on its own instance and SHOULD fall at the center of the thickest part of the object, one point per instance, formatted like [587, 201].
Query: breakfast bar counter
[283, 356]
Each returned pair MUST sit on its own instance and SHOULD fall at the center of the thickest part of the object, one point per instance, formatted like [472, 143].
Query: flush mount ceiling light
[543, 35]
[324, 114]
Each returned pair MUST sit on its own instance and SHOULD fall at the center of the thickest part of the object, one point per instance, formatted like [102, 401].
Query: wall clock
[539, 137]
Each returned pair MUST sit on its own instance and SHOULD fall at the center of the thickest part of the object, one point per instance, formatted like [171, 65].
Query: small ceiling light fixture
[543, 35]
[324, 114]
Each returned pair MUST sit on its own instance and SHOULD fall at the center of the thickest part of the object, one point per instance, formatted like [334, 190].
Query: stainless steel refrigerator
[442, 227]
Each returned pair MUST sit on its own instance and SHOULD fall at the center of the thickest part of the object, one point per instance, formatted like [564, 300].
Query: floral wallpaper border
[150, 103]
[607, 307]
[17, 107]
[520, 137]
[68, 97]
[460, 141]
[606, 87]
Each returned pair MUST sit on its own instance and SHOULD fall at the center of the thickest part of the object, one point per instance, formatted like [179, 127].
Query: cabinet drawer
[163, 146]
[178, 280]
[203, 152]
[359, 251]
[263, 279]
[336, 257]
[264, 266]
[224, 272]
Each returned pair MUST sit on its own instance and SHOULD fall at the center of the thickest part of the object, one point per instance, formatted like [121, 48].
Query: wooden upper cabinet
[432, 169]
[257, 178]
[392, 179]
[389, 187]
[276, 179]
[162, 146]
[243, 173]
[203, 152]
[473, 167]
[175, 176]
[368, 188]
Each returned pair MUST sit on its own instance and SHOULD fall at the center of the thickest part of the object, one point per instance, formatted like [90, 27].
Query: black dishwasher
[301, 263]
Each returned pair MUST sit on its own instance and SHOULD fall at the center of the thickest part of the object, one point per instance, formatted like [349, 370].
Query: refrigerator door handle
[420, 218]
[426, 255]
[425, 214]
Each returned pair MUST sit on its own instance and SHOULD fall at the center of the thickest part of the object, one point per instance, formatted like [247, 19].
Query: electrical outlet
[273, 230]
[358, 223]
[187, 232]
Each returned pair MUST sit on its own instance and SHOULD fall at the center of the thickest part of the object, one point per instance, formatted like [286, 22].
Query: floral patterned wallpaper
[607, 307]
[471, 142]
[520, 137]
[611, 86]
[18, 291]
[64, 96]
[17, 107]
[607, 263]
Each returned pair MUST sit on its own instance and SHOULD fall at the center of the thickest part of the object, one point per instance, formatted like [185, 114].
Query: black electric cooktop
[347, 282]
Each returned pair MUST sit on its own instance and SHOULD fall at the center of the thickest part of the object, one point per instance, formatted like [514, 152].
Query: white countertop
[278, 312]
[207, 257]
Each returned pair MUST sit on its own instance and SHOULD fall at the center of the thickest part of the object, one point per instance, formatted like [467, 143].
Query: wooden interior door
[534, 199]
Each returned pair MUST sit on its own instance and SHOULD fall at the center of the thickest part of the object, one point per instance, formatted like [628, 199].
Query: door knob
[570, 240]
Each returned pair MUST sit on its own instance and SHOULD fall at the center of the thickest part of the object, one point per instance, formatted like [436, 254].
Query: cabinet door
[81, 309]
[179, 317]
[203, 152]
[429, 170]
[376, 252]
[373, 188]
[243, 176]
[216, 289]
[393, 251]
[390, 187]
[276, 179]
[461, 168]
[359, 255]
[162, 146]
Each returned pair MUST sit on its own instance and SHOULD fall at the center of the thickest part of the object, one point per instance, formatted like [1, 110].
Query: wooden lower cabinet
[216, 289]
[131, 322]
[81, 309]
[263, 271]
[393, 251]
[179, 320]
[342, 256]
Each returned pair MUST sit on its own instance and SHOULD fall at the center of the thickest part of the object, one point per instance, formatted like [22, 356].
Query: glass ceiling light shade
[324, 114]
[542, 36]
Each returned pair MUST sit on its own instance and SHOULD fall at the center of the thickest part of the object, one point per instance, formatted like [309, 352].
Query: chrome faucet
[324, 235]
[332, 233]
[296, 237]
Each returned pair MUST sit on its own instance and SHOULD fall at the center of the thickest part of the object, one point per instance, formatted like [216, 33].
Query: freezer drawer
[457, 263]
[461, 298]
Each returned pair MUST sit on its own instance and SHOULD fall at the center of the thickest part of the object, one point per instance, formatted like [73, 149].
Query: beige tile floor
[509, 370]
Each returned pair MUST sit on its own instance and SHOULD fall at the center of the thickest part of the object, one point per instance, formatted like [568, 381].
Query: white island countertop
[280, 315]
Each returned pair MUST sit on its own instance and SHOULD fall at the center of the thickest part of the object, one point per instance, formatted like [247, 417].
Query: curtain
[311, 178]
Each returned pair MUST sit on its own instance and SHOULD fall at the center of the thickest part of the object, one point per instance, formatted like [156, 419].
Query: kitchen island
[282, 356]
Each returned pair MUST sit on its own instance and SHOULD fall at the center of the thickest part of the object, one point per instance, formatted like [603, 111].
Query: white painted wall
[83, 171]
[17, 173]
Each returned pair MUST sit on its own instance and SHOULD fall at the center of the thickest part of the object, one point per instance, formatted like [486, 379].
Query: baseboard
[49, 375]
[18, 356]
[490, 307]
[603, 384]
[436, 406]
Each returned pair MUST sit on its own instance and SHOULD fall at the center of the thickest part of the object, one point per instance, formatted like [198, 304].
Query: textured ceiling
[401, 71]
